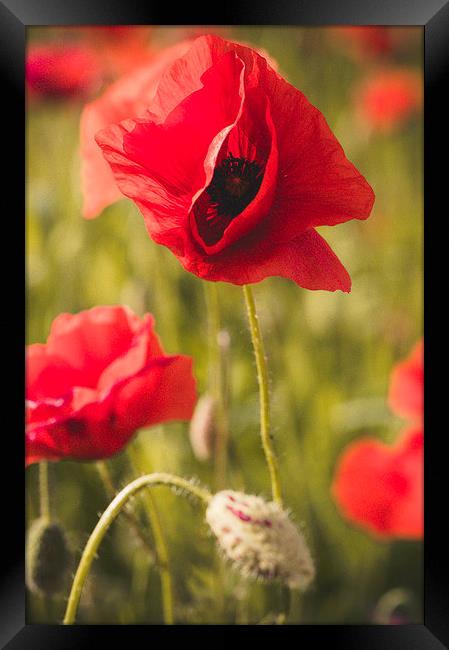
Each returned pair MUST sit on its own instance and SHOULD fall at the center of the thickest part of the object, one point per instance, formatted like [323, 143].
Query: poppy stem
[217, 382]
[163, 558]
[107, 518]
[44, 490]
[262, 377]
[105, 475]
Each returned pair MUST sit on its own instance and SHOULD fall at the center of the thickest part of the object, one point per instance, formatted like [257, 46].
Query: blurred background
[330, 354]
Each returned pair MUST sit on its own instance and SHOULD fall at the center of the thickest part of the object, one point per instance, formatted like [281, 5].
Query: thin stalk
[44, 490]
[286, 605]
[107, 518]
[105, 475]
[160, 543]
[262, 378]
[217, 383]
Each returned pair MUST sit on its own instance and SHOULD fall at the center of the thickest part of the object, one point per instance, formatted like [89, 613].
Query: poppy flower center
[234, 185]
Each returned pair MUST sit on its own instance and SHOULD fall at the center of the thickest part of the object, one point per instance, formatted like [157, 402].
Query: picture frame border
[15, 17]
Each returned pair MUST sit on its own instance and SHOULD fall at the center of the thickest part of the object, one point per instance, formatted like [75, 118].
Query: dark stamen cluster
[234, 185]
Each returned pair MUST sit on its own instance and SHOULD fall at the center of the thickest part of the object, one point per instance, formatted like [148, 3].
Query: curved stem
[44, 490]
[133, 521]
[105, 521]
[217, 383]
[160, 543]
[262, 377]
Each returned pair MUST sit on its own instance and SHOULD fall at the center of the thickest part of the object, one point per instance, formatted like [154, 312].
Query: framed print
[223, 275]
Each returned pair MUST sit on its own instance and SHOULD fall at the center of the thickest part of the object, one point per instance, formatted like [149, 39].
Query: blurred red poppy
[389, 98]
[62, 71]
[233, 169]
[380, 487]
[363, 41]
[120, 47]
[406, 396]
[101, 376]
[127, 97]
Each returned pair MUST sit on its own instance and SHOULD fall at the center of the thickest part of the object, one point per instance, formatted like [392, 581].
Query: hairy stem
[262, 377]
[105, 521]
[133, 521]
[160, 543]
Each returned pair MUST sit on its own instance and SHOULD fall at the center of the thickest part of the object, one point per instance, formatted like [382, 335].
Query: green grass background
[330, 358]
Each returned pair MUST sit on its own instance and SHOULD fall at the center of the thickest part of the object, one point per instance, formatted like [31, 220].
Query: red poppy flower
[127, 97]
[406, 396]
[101, 376]
[389, 98]
[233, 169]
[62, 71]
[380, 487]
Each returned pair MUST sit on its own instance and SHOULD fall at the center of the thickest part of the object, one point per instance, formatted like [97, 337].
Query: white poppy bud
[259, 537]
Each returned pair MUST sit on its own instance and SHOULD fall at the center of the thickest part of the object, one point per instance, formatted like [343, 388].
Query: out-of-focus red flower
[233, 169]
[380, 487]
[366, 43]
[363, 41]
[127, 97]
[389, 98]
[121, 47]
[62, 71]
[101, 376]
[406, 396]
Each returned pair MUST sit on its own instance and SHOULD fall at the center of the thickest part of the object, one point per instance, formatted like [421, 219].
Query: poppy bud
[48, 558]
[261, 540]
[203, 427]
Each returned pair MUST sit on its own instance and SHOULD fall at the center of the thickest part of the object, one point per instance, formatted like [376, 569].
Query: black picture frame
[15, 16]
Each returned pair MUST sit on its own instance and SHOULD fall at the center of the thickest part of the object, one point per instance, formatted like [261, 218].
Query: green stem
[217, 383]
[110, 490]
[160, 543]
[286, 598]
[44, 490]
[262, 377]
[105, 521]
[106, 478]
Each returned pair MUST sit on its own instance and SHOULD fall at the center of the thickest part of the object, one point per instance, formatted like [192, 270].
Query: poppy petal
[406, 396]
[379, 487]
[89, 341]
[128, 97]
[162, 165]
[307, 260]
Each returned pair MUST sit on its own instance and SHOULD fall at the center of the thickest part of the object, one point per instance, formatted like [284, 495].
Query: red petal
[406, 396]
[144, 348]
[308, 260]
[317, 184]
[90, 340]
[128, 97]
[379, 487]
[162, 165]
[93, 427]
[47, 375]
[165, 390]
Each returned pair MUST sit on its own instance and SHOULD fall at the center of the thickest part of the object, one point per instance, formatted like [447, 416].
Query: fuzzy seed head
[259, 537]
[202, 427]
[48, 558]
